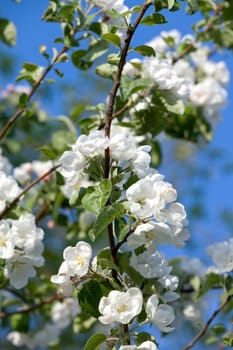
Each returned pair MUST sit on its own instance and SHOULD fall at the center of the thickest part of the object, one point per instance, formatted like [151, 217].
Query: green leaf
[113, 39]
[23, 100]
[113, 59]
[30, 67]
[155, 18]
[96, 197]
[20, 322]
[211, 280]
[106, 216]
[228, 340]
[7, 32]
[106, 71]
[84, 58]
[149, 120]
[48, 153]
[95, 341]
[145, 50]
[193, 6]
[89, 297]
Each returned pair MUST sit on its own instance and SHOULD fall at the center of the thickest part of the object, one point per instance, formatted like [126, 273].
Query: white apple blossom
[222, 255]
[161, 315]
[78, 258]
[149, 234]
[169, 282]
[146, 345]
[218, 71]
[7, 240]
[63, 279]
[9, 190]
[19, 339]
[120, 306]
[149, 265]
[162, 73]
[122, 147]
[19, 269]
[141, 161]
[131, 68]
[23, 172]
[63, 312]
[91, 145]
[208, 93]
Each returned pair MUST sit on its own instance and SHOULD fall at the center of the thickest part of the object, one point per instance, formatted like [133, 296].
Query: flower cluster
[62, 314]
[21, 247]
[194, 79]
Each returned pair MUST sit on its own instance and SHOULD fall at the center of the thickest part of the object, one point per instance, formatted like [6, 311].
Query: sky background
[32, 33]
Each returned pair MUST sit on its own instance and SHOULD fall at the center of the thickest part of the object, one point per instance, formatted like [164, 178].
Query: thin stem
[25, 190]
[20, 111]
[31, 308]
[111, 103]
[206, 326]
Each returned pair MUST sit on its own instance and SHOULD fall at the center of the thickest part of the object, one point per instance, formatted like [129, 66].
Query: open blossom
[7, 242]
[149, 265]
[91, 145]
[5, 165]
[222, 256]
[63, 280]
[120, 306]
[63, 312]
[9, 189]
[78, 258]
[146, 345]
[162, 315]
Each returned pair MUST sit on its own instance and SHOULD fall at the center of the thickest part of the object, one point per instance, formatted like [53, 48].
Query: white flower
[78, 258]
[141, 161]
[141, 198]
[146, 345]
[218, 71]
[122, 147]
[161, 315]
[130, 68]
[148, 234]
[222, 255]
[63, 280]
[18, 339]
[9, 190]
[19, 269]
[109, 5]
[71, 164]
[208, 93]
[91, 145]
[149, 265]
[7, 240]
[23, 172]
[63, 312]
[161, 72]
[120, 306]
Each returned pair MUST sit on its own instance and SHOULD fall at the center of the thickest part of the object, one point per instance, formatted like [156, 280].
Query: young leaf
[113, 39]
[106, 70]
[96, 197]
[95, 341]
[145, 50]
[7, 32]
[155, 18]
[106, 216]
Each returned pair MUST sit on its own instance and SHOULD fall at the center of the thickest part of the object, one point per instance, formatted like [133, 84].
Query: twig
[20, 111]
[110, 105]
[31, 308]
[11, 205]
[206, 326]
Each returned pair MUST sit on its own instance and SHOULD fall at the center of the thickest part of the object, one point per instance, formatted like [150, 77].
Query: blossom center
[79, 259]
[121, 308]
[2, 242]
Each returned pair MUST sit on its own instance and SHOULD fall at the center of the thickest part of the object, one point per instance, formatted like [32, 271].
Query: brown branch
[206, 326]
[20, 111]
[33, 307]
[110, 106]
[11, 205]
